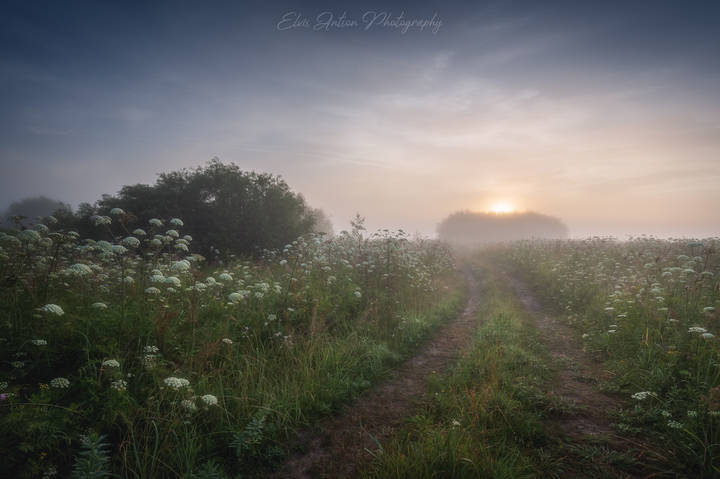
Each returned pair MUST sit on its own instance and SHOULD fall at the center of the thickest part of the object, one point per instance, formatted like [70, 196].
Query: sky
[604, 114]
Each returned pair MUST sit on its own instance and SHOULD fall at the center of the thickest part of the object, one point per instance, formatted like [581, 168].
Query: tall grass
[649, 308]
[486, 416]
[195, 370]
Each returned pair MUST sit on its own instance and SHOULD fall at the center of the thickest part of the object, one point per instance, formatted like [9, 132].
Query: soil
[340, 445]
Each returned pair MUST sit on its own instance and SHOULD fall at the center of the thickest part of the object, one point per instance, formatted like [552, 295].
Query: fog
[466, 228]
[602, 114]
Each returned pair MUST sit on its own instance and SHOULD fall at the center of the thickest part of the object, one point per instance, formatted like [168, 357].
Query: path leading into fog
[339, 445]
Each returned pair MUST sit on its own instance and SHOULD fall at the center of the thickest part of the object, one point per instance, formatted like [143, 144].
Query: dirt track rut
[339, 445]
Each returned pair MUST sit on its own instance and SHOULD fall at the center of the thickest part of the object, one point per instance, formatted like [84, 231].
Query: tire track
[339, 445]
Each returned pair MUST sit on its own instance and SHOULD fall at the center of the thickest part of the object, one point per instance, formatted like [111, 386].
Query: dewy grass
[184, 367]
[485, 417]
[649, 309]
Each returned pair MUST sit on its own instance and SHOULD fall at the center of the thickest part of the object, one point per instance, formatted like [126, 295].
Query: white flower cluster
[60, 383]
[119, 385]
[52, 309]
[111, 363]
[176, 383]
[39, 342]
[642, 395]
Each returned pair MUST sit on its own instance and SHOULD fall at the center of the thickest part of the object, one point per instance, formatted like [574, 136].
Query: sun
[502, 207]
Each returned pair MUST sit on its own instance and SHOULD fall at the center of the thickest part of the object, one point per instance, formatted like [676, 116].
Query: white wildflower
[176, 383]
[119, 385]
[39, 342]
[60, 383]
[131, 242]
[180, 266]
[111, 363]
[642, 395]
[52, 309]
[188, 404]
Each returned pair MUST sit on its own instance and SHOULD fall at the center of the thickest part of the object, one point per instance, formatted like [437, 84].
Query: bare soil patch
[339, 445]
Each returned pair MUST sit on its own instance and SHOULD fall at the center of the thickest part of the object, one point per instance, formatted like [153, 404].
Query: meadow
[132, 356]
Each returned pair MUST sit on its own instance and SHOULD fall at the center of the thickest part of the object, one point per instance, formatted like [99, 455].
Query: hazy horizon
[605, 115]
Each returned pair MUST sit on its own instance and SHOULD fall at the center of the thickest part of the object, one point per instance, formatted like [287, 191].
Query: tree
[30, 208]
[222, 207]
[468, 229]
[322, 222]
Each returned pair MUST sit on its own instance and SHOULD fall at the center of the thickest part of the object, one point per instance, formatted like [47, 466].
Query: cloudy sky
[605, 114]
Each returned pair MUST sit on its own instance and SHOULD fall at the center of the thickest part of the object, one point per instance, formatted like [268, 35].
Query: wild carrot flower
[60, 383]
[642, 395]
[119, 385]
[180, 266]
[98, 305]
[176, 383]
[188, 404]
[131, 242]
[39, 342]
[52, 309]
[111, 363]
[209, 400]
[227, 340]
[117, 211]
[177, 222]
[155, 222]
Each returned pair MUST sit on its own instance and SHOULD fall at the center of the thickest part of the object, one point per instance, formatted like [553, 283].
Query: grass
[487, 417]
[158, 365]
[648, 309]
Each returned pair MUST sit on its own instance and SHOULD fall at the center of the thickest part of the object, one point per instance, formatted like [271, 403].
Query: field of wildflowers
[133, 357]
[649, 309]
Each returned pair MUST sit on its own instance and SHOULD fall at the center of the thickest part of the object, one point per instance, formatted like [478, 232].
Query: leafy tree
[468, 228]
[30, 208]
[223, 208]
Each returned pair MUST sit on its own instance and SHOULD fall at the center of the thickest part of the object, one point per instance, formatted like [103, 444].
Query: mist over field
[601, 114]
[348, 239]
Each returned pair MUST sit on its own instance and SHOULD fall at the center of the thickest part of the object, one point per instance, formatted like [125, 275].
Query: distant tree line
[223, 208]
[467, 228]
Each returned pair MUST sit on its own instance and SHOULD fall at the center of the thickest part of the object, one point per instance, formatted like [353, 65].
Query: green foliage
[93, 459]
[189, 369]
[485, 416]
[226, 209]
[649, 309]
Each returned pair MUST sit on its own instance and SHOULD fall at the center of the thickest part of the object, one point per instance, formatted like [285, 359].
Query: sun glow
[502, 207]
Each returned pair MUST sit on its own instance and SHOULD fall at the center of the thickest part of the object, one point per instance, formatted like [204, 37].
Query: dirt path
[340, 444]
[592, 448]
